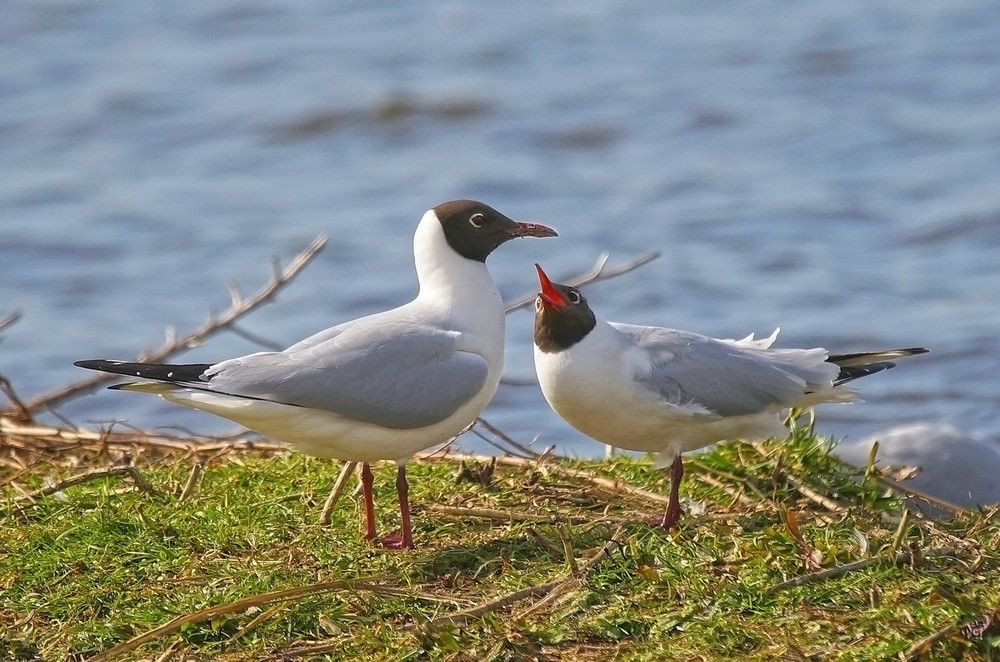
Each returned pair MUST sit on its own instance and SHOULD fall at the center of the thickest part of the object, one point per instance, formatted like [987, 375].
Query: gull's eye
[477, 220]
[573, 296]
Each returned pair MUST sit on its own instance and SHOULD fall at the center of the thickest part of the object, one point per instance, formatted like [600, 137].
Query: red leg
[404, 539]
[366, 490]
[673, 511]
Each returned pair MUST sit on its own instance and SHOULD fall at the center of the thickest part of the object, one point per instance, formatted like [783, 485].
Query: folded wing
[725, 377]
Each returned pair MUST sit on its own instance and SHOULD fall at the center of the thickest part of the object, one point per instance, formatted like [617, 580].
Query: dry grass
[788, 556]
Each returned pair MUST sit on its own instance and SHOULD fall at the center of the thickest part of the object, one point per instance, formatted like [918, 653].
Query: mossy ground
[101, 562]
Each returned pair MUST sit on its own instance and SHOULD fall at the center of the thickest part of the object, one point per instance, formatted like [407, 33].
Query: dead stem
[78, 479]
[902, 558]
[239, 307]
[192, 481]
[338, 488]
[596, 273]
[539, 590]
[367, 584]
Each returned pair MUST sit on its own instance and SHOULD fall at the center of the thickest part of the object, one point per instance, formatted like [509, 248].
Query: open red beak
[550, 295]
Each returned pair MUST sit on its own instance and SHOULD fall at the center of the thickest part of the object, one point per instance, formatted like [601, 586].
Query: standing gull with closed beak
[380, 387]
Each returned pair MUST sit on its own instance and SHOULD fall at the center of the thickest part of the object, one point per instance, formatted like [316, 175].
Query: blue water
[830, 168]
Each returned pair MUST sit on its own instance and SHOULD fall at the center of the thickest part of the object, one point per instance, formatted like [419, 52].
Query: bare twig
[258, 619]
[8, 390]
[240, 307]
[967, 631]
[568, 549]
[139, 481]
[367, 584]
[255, 338]
[79, 479]
[738, 495]
[901, 558]
[520, 448]
[813, 495]
[169, 652]
[597, 272]
[192, 481]
[310, 650]
[503, 515]
[545, 541]
[742, 481]
[466, 615]
[612, 485]
[914, 493]
[57, 440]
[338, 488]
[560, 585]
[9, 319]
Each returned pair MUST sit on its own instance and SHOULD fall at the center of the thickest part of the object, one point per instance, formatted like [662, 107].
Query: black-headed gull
[381, 387]
[654, 389]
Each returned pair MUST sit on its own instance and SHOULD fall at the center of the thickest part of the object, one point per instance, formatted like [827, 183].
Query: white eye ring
[477, 219]
[573, 296]
[538, 303]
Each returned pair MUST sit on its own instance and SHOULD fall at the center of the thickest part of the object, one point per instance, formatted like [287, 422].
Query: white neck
[463, 287]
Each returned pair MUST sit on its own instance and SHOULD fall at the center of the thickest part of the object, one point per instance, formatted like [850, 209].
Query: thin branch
[901, 558]
[521, 449]
[55, 440]
[495, 444]
[368, 584]
[597, 272]
[545, 542]
[508, 515]
[612, 485]
[9, 319]
[257, 620]
[967, 631]
[914, 493]
[240, 307]
[8, 390]
[539, 590]
[192, 481]
[79, 479]
[338, 488]
[141, 484]
[812, 494]
[256, 339]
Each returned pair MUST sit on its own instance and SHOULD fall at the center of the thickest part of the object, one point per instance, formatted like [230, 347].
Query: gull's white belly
[595, 390]
[324, 434]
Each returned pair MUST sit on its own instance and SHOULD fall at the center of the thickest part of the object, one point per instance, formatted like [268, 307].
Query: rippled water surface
[830, 168]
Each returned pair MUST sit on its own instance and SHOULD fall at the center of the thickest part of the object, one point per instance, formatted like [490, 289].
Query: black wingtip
[861, 364]
[92, 364]
[180, 372]
[857, 372]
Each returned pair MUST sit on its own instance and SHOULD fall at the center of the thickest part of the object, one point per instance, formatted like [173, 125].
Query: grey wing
[726, 378]
[396, 375]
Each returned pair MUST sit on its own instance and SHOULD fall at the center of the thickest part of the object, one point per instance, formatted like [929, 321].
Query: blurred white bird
[947, 463]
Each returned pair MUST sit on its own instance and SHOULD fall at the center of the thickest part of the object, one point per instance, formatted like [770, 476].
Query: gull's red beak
[549, 294]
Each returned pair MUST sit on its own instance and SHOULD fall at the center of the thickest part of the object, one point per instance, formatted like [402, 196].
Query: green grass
[84, 571]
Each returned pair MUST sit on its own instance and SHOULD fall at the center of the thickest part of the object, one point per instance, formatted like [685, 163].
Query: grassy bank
[783, 555]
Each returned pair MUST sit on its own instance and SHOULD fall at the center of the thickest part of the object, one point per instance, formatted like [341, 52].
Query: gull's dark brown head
[562, 316]
[474, 230]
